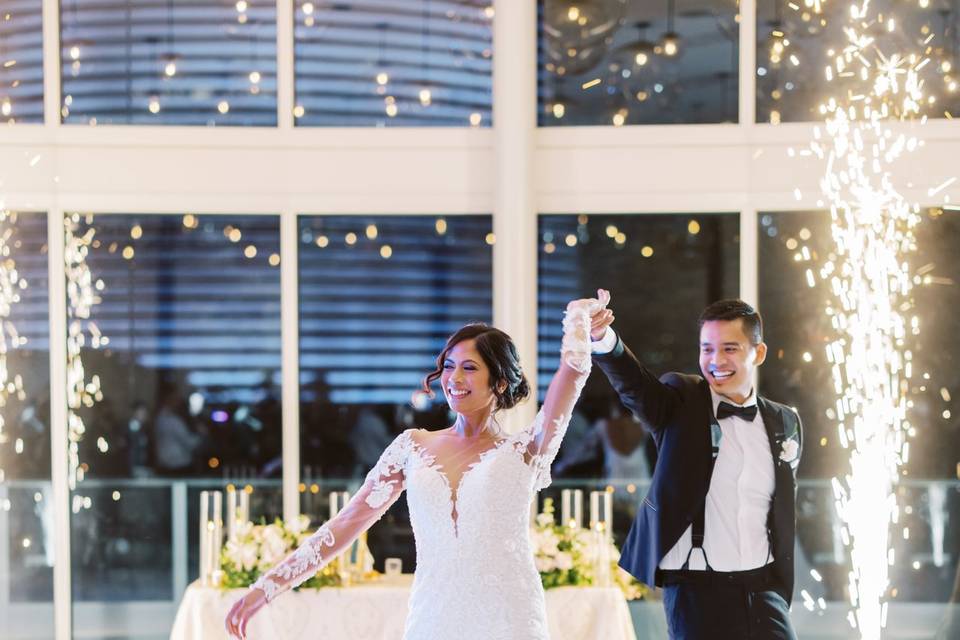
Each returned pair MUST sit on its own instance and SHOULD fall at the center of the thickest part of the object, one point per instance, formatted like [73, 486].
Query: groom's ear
[761, 354]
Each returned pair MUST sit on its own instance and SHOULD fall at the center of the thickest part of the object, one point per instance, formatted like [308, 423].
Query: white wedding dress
[475, 576]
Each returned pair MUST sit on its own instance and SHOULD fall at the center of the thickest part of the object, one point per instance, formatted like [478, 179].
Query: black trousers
[718, 611]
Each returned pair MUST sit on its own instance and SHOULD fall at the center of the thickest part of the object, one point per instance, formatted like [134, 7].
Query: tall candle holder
[571, 508]
[231, 512]
[338, 500]
[341, 564]
[238, 510]
[601, 526]
[566, 514]
[243, 511]
[211, 536]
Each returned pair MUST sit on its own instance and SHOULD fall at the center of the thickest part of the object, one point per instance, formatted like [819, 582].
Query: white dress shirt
[739, 498]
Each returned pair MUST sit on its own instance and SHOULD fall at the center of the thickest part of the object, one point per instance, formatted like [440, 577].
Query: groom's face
[728, 358]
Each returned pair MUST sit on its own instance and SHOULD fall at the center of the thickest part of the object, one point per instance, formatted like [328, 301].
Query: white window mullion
[514, 211]
[290, 372]
[51, 63]
[62, 604]
[749, 256]
[748, 63]
[285, 62]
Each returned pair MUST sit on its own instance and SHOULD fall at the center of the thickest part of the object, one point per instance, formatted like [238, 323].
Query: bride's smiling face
[466, 379]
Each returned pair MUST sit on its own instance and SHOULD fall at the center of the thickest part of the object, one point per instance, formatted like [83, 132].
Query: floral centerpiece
[256, 548]
[565, 556]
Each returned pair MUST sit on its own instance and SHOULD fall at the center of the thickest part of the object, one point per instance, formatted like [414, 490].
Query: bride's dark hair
[498, 353]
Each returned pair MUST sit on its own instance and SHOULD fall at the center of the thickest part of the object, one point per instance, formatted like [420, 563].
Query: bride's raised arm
[543, 437]
[383, 485]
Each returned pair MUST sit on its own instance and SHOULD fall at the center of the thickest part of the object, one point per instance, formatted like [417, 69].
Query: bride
[469, 489]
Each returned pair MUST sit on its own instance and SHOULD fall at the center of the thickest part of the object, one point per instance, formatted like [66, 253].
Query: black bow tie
[725, 410]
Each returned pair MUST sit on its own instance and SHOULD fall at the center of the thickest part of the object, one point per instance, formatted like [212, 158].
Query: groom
[716, 528]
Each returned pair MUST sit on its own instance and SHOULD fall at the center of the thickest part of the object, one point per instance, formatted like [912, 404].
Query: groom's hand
[602, 318]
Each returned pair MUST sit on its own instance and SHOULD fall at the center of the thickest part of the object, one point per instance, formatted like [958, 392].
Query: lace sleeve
[383, 485]
[542, 439]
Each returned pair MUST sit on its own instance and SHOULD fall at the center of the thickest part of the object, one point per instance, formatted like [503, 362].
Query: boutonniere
[790, 451]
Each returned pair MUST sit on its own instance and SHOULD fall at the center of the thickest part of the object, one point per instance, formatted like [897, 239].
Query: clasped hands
[601, 316]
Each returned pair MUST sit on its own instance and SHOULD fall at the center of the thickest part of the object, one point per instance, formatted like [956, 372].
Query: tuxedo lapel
[781, 517]
[713, 434]
[773, 423]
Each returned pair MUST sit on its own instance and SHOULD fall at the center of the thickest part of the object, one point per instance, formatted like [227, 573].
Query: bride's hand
[241, 612]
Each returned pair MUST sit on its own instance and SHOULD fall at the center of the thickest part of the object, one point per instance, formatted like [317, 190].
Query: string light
[82, 332]
[12, 284]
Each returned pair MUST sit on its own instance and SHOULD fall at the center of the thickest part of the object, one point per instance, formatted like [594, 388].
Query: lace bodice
[475, 575]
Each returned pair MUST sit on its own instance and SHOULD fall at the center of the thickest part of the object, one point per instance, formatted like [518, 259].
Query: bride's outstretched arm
[546, 433]
[383, 485]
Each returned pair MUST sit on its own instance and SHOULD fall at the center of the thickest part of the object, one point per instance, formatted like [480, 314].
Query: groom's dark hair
[733, 310]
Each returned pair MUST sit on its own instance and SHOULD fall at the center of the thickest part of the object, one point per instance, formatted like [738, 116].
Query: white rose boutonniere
[790, 451]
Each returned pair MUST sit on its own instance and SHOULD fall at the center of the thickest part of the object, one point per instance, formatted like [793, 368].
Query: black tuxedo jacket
[678, 410]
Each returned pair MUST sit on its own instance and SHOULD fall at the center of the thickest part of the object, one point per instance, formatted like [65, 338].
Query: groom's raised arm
[640, 391]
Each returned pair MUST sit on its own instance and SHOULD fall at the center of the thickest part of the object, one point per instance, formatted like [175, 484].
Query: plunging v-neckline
[430, 461]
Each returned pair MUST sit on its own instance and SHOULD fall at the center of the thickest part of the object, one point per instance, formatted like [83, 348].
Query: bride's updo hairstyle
[498, 353]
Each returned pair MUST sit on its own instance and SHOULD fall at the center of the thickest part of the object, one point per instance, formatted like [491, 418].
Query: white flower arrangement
[256, 548]
[566, 556]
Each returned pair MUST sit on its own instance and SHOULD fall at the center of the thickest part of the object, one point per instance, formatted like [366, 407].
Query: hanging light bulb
[670, 42]
[170, 69]
[636, 53]
[426, 97]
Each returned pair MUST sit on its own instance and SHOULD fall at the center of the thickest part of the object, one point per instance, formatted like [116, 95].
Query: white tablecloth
[377, 612]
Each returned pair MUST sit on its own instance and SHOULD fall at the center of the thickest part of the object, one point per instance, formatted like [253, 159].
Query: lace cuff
[302, 565]
[542, 458]
[383, 485]
[575, 349]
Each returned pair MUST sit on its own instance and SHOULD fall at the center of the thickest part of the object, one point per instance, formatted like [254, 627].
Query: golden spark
[870, 283]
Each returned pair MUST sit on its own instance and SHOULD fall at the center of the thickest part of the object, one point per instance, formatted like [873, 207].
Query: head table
[378, 611]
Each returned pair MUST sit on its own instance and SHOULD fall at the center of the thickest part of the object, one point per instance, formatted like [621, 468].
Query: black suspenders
[697, 526]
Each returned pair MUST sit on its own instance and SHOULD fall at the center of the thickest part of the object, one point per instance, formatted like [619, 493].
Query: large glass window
[174, 361]
[795, 41]
[186, 62]
[616, 62]
[379, 295]
[21, 61]
[26, 504]
[661, 270]
[415, 63]
[797, 372]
